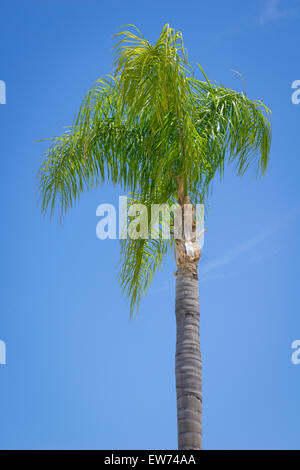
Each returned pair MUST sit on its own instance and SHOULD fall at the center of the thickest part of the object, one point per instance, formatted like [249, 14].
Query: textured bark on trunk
[188, 367]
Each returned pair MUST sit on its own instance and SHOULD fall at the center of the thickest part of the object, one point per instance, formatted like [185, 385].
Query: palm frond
[233, 126]
[97, 147]
[141, 257]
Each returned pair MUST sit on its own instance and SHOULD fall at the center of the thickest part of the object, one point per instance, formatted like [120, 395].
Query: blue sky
[79, 372]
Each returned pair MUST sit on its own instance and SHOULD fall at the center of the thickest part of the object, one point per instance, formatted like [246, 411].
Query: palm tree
[162, 135]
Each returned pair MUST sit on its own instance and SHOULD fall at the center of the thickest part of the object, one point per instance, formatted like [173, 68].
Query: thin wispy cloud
[257, 258]
[267, 11]
[208, 271]
[273, 10]
[211, 270]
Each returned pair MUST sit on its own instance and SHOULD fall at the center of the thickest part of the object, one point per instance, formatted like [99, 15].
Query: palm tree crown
[158, 132]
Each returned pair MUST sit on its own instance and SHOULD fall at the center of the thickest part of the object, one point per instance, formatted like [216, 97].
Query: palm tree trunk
[188, 368]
